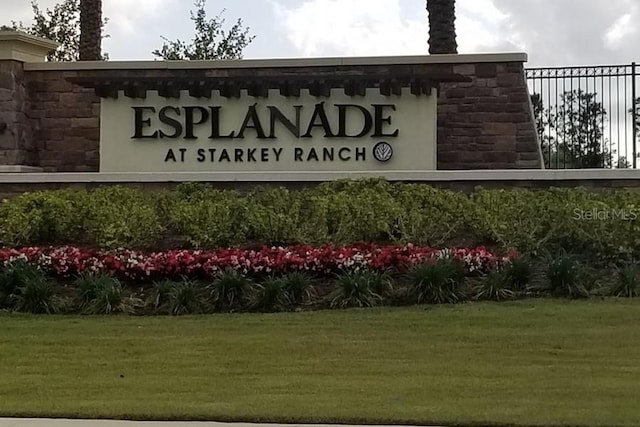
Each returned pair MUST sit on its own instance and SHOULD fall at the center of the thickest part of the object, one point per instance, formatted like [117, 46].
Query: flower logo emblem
[383, 152]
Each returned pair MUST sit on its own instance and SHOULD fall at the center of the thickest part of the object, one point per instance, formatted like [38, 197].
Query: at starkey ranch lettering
[272, 154]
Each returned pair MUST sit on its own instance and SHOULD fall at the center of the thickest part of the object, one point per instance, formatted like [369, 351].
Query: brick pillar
[18, 152]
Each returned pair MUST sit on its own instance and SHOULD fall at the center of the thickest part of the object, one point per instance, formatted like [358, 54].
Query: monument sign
[270, 133]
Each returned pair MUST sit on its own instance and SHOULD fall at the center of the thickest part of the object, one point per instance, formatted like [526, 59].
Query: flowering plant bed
[69, 261]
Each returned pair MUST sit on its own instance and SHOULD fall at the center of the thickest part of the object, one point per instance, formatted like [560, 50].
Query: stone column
[17, 148]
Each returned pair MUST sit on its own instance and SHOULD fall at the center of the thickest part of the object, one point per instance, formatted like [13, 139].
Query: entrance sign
[269, 134]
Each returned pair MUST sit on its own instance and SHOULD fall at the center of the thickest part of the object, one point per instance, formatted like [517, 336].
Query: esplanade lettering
[264, 122]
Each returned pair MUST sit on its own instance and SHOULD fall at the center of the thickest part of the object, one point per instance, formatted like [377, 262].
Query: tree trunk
[442, 28]
[90, 30]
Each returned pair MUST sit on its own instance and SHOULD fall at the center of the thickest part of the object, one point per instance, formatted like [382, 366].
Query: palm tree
[442, 28]
[90, 30]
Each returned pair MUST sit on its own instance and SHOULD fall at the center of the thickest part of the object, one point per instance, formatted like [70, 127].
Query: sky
[551, 32]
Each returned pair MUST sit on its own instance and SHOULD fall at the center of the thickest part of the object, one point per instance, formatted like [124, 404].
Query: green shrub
[604, 225]
[600, 225]
[565, 277]
[567, 229]
[42, 217]
[102, 294]
[437, 282]
[627, 282]
[14, 276]
[38, 296]
[25, 288]
[339, 212]
[231, 291]
[357, 289]
[121, 217]
[273, 216]
[299, 288]
[207, 217]
[313, 217]
[494, 286]
[518, 272]
[270, 296]
[360, 211]
[430, 216]
[511, 218]
[187, 297]
[159, 298]
[177, 298]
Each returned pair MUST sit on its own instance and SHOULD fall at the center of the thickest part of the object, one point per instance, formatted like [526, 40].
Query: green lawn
[538, 362]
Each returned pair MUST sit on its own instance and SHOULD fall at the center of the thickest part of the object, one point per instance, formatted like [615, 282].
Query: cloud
[566, 32]
[553, 32]
[126, 17]
[622, 29]
[480, 27]
[351, 27]
[377, 27]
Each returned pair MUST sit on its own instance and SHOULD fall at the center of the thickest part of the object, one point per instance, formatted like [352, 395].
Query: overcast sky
[552, 32]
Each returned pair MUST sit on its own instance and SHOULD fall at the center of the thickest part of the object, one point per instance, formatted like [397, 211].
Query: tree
[572, 133]
[637, 116]
[211, 41]
[581, 129]
[90, 48]
[543, 119]
[442, 29]
[60, 24]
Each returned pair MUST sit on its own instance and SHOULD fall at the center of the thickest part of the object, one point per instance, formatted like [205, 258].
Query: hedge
[601, 225]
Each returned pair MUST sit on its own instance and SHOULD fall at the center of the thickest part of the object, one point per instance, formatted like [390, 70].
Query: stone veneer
[484, 123]
[18, 147]
[17, 144]
[66, 122]
[488, 122]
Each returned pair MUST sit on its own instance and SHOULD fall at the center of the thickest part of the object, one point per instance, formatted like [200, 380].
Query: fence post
[634, 114]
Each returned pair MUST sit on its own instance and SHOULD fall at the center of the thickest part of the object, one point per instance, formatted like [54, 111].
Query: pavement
[43, 422]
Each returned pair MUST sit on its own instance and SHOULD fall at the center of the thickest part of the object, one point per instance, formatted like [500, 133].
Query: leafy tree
[442, 29]
[637, 117]
[637, 123]
[60, 24]
[572, 133]
[580, 128]
[544, 122]
[211, 41]
[538, 112]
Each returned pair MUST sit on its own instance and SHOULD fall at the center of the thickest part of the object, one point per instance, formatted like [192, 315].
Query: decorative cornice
[259, 86]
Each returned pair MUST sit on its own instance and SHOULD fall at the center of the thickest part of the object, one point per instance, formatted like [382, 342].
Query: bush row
[601, 224]
[26, 288]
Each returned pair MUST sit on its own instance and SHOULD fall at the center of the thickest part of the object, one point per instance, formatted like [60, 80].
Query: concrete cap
[23, 47]
[283, 62]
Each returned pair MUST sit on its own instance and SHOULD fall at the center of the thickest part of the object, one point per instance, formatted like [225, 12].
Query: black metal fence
[587, 117]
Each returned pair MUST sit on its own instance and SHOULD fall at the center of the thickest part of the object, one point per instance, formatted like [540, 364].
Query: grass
[540, 362]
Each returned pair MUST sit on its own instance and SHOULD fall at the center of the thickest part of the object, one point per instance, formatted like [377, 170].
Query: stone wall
[17, 144]
[485, 122]
[66, 122]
